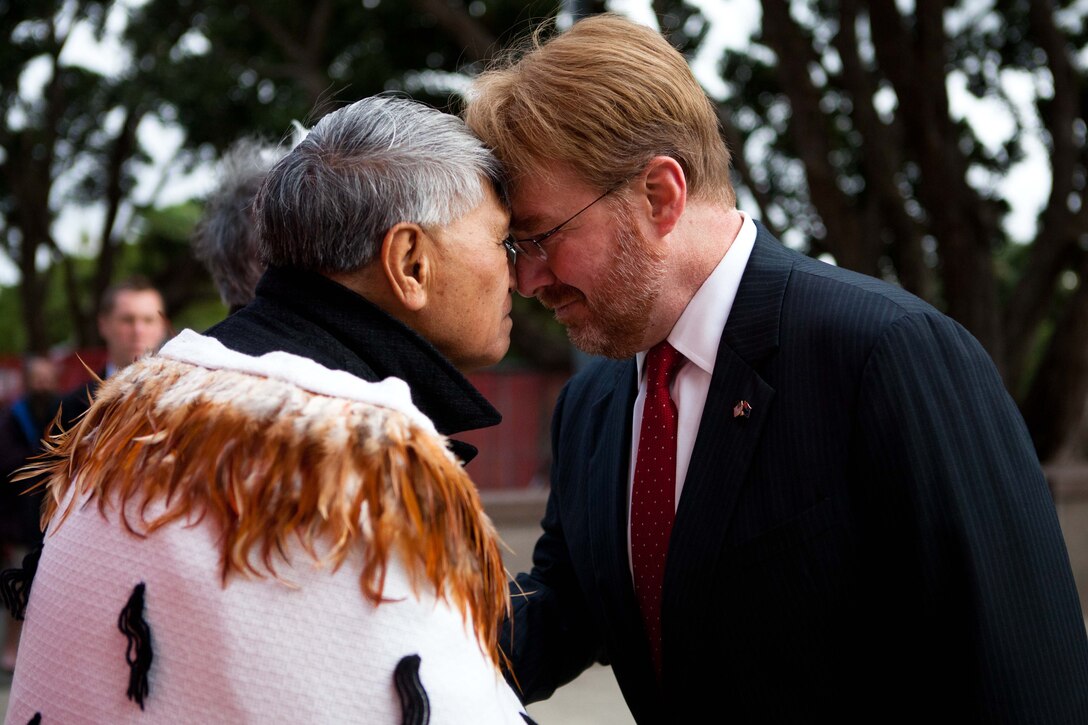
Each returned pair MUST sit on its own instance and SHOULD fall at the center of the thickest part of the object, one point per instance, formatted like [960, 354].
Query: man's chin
[593, 330]
[485, 359]
[592, 341]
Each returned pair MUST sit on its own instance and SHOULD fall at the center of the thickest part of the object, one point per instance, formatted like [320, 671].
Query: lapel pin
[742, 410]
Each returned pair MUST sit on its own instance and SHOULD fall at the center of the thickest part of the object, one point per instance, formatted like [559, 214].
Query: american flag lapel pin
[742, 410]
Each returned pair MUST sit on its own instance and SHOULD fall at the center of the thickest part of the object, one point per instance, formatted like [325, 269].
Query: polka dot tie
[653, 496]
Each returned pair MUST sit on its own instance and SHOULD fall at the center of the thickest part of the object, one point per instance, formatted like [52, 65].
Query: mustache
[558, 295]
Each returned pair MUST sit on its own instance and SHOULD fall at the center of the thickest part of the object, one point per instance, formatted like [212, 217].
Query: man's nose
[531, 275]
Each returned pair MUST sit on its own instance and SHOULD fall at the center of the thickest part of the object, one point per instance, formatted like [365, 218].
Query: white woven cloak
[301, 646]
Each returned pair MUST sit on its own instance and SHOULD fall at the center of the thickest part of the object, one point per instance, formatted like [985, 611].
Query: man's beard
[619, 312]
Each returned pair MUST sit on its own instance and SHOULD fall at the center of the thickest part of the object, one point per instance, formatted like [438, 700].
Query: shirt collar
[698, 332]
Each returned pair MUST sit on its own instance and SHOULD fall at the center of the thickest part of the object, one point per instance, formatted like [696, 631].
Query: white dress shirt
[695, 336]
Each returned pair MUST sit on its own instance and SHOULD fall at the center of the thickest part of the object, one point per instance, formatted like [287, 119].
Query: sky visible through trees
[939, 145]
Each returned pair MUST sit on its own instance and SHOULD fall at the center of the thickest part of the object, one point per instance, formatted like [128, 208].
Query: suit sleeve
[75, 403]
[956, 491]
[549, 640]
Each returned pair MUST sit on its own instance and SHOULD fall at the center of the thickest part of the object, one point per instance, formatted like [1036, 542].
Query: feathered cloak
[298, 533]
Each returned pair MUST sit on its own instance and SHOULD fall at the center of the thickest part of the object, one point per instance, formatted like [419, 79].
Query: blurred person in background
[22, 427]
[132, 322]
[225, 240]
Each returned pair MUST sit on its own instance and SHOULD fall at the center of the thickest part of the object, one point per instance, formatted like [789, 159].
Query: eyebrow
[530, 221]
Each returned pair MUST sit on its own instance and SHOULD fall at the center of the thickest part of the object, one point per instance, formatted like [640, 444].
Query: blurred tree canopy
[246, 65]
[215, 69]
[845, 119]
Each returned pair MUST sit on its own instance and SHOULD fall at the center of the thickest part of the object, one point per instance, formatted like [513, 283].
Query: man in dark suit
[225, 239]
[795, 494]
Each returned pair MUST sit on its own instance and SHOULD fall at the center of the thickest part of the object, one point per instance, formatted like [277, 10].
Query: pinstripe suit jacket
[876, 542]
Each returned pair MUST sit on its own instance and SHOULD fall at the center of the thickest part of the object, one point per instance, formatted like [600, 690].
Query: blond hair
[603, 98]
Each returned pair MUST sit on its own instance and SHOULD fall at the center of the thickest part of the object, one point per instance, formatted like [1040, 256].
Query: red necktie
[653, 494]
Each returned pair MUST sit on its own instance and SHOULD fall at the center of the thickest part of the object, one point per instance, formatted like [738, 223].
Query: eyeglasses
[533, 247]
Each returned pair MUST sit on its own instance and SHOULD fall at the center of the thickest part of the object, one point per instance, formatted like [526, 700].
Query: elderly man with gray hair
[225, 239]
[263, 523]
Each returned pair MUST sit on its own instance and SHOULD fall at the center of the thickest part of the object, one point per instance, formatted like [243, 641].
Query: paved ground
[1070, 487]
[592, 699]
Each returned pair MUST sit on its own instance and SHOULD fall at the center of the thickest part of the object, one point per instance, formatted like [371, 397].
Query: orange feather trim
[266, 462]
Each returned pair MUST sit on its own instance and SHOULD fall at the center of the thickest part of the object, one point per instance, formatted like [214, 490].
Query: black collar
[308, 314]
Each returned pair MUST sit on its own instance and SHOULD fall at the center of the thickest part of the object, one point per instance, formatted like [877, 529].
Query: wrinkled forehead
[542, 193]
[490, 218]
[496, 221]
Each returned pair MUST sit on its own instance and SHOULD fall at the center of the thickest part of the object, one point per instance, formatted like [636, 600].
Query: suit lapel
[608, 472]
[607, 478]
[725, 444]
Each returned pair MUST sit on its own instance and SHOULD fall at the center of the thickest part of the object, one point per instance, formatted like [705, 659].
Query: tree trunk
[916, 65]
[1055, 404]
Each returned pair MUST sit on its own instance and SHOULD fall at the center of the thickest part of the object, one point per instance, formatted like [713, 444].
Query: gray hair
[225, 240]
[362, 169]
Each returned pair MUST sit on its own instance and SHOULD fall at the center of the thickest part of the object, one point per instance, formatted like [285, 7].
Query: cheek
[496, 281]
[574, 276]
[577, 267]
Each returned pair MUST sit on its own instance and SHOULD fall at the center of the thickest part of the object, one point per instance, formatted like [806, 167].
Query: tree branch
[1058, 392]
[1059, 228]
[80, 318]
[881, 159]
[286, 42]
[123, 148]
[808, 128]
[965, 235]
[479, 44]
[735, 142]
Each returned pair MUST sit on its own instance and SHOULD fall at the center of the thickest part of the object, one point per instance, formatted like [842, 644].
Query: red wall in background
[517, 452]
[73, 372]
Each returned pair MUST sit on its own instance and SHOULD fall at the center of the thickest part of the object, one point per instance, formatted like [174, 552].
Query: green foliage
[216, 69]
[160, 252]
[840, 119]
[12, 333]
[200, 315]
[255, 68]
[13, 337]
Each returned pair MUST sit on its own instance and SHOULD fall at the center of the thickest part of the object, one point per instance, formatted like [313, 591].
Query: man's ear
[666, 190]
[407, 265]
